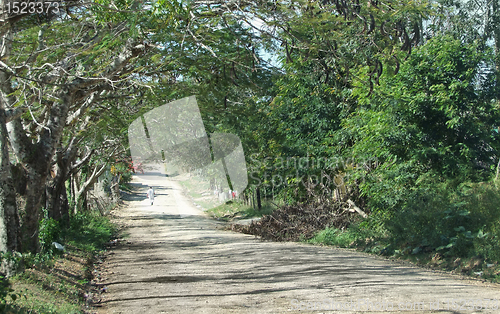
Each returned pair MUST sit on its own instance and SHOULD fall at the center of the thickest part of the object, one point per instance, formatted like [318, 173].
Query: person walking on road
[151, 195]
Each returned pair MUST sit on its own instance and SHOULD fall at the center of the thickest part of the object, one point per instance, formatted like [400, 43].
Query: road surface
[175, 260]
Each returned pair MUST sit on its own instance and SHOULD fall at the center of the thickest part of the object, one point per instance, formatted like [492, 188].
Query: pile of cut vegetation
[302, 221]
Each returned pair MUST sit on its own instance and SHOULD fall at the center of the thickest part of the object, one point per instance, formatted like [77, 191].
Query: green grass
[479, 259]
[336, 237]
[356, 236]
[474, 265]
[89, 232]
[43, 293]
[55, 282]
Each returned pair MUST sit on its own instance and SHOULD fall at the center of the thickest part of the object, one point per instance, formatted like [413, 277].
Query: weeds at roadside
[451, 230]
[57, 281]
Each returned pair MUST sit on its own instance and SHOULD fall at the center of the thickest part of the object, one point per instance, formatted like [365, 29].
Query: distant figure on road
[151, 195]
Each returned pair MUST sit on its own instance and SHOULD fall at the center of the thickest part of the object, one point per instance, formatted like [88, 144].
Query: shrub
[50, 231]
[461, 221]
[89, 231]
[6, 292]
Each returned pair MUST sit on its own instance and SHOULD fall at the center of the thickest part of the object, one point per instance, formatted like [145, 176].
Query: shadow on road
[181, 263]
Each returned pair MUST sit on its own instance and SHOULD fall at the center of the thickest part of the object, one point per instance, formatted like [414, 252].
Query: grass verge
[199, 191]
[450, 227]
[56, 282]
[473, 265]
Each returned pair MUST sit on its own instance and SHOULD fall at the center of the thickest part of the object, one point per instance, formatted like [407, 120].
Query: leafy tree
[437, 117]
[64, 64]
[321, 46]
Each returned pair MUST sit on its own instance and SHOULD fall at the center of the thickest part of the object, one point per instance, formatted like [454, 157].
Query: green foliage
[89, 231]
[431, 131]
[435, 119]
[336, 237]
[7, 294]
[123, 169]
[126, 177]
[300, 121]
[304, 112]
[44, 291]
[50, 231]
[321, 48]
[42, 260]
[355, 234]
[461, 222]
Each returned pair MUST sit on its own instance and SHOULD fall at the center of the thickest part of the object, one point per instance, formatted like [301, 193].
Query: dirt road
[175, 260]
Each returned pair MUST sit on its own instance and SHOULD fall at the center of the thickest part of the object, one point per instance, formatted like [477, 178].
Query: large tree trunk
[37, 160]
[259, 203]
[56, 201]
[31, 210]
[9, 218]
[115, 188]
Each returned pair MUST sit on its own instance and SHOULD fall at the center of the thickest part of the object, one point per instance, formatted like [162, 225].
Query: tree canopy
[399, 91]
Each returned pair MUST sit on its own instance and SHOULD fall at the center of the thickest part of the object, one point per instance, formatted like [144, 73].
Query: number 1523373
[30, 7]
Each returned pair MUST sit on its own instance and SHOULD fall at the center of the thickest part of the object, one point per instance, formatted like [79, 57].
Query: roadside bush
[334, 236]
[461, 222]
[7, 294]
[485, 199]
[49, 232]
[343, 238]
[89, 231]
[126, 174]
[45, 289]
[430, 156]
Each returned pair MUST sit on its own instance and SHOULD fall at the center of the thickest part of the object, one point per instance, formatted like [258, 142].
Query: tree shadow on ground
[187, 262]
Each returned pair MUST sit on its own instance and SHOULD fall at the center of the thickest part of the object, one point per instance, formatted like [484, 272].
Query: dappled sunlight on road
[176, 260]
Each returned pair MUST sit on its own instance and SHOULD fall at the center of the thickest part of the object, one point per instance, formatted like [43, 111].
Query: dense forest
[394, 105]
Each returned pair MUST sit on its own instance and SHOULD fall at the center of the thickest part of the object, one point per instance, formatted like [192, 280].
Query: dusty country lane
[175, 260]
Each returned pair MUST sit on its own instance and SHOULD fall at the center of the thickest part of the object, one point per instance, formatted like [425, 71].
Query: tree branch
[95, 175]
[11, 114]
